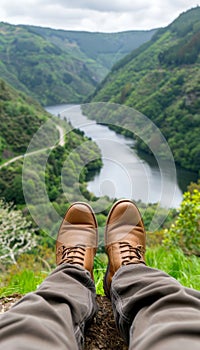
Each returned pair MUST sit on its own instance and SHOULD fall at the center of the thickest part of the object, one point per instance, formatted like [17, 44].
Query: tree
[185, 232]
[16, 234]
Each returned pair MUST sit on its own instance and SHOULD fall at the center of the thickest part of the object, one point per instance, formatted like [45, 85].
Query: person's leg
[54, 317]
[152, 310]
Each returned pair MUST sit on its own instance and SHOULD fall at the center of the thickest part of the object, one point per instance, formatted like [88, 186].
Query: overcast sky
[94, 15]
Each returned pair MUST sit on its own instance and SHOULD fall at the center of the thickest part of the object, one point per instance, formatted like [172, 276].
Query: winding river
[124, 173]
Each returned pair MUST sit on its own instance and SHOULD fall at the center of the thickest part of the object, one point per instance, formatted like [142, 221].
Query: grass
[100, 265]
[185, 269]
[23, 282]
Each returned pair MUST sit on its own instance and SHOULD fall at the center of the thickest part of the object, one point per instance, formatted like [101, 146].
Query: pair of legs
[151, 309]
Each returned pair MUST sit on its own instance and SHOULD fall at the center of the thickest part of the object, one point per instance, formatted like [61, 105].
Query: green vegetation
[22, 282]
[74, 166]
[185, 269]
[102, 49]
[28, 273]
[20, 118]
[32, 64]
[56, 66]
[194, 186]
[16, 234]
[61, 190]
[161, 79]
[185, 232]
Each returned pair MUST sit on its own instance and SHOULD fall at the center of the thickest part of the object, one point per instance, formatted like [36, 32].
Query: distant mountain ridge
[161, 79]
[57, 66]
[105, 48]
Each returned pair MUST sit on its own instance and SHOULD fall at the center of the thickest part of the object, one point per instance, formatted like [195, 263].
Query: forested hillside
[57, 66]
[23, 121]
[161, 79]
[20, 118]
[32, 64]
[100, 50]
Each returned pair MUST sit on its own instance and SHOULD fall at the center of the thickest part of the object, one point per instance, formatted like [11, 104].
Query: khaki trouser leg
[153, 311]
[53, 317]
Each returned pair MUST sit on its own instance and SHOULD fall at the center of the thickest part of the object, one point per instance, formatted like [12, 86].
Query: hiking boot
[125, 239]
[77, 237]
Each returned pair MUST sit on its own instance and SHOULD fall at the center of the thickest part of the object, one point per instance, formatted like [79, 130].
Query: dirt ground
[102, 334]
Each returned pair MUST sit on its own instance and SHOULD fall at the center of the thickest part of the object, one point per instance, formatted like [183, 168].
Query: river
[124, 174]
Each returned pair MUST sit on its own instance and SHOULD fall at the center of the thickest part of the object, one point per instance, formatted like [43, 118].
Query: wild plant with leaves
[16, 234]
[185, 232]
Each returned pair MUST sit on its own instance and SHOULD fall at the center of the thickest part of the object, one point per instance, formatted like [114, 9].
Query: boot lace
[130, 254]
[73, 255]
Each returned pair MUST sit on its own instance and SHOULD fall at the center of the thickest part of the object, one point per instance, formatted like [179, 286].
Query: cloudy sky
[94, 15]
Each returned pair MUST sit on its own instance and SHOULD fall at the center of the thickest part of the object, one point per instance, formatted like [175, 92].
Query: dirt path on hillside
[60, 143]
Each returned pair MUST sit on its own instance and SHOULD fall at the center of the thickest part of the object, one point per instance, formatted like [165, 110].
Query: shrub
[185, 232]
[16, 234]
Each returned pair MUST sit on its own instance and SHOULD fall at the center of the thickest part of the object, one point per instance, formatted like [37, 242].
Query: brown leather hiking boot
[77, 237]
[125, 239]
